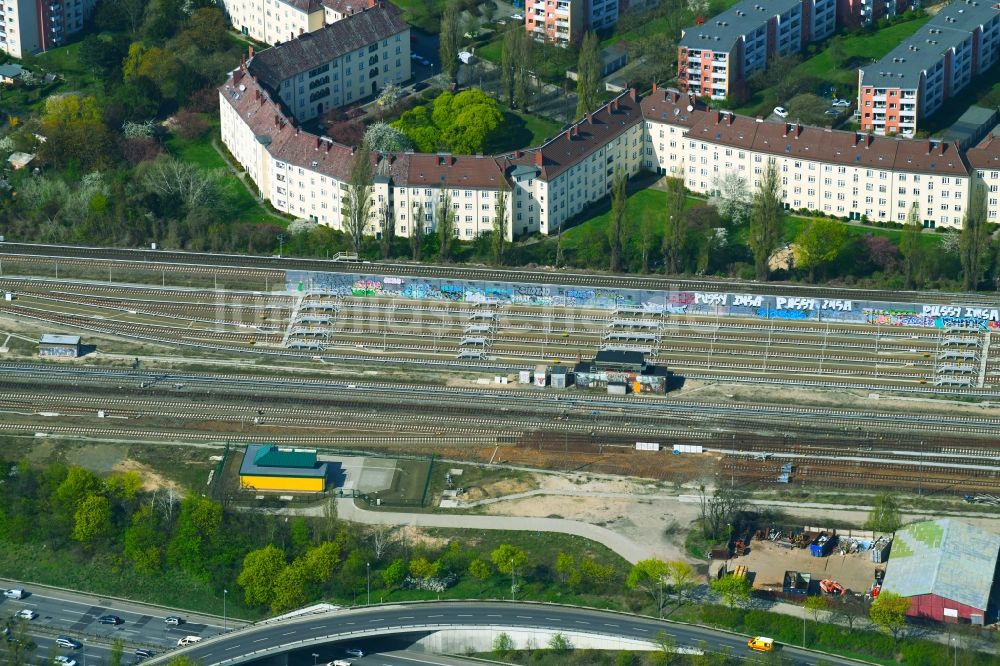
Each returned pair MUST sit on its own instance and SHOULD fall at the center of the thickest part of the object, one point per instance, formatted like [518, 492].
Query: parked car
[15, 593]
[517, 17]
[143, 653]
[26, 614]
[110, 619]
[780, 112]
[67, 642]
[174, 620]
[842, 103]
[188, 640]
[832, 112]
[64, 661]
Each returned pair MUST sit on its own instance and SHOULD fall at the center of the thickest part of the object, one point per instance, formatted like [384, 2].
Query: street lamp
[315, 657]
[225, 620]
[368, 572]
[281, 243]
[512, 586]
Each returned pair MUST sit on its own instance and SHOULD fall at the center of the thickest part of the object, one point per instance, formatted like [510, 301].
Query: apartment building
[914, 79]
[277, 21]
[863, 13]
[33, 26]
[984, 160]
[338, 64]
[716, 58]
[560, 22]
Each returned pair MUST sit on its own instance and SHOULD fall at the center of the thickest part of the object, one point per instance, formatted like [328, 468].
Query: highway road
[76, 615]
[367, 626]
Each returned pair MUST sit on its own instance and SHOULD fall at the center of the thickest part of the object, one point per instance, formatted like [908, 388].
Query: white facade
[273, 21]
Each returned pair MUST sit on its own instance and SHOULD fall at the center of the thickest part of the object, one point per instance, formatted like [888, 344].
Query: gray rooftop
[354, 32]
[972, 125]
[901, 67]
[53, 339]
[948, 558]
[721, 32]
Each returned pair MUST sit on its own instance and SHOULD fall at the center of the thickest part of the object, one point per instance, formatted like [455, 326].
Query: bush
[190, 125]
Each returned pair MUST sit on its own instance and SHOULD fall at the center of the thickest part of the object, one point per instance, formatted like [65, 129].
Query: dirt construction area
[767, 563]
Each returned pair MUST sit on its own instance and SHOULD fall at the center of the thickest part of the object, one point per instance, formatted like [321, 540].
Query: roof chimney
[798, 129]
[654, 86]
[614, 104]
[538, 158]
[575, 129]
[930, 146]
[631, 92]
[942, 148]
[250, 51]
[318, 141]
[787, 128]
[569, 135]
[590, 117]
[718, 117]
[276, 120]
[868, 140]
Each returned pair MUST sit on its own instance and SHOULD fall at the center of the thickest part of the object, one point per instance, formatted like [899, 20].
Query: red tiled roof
[670, 105]
[455, 171]
[348, 6]
[986, 154]
[585, 136]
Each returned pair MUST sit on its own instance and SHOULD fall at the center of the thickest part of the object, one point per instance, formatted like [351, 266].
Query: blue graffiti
[766, 313]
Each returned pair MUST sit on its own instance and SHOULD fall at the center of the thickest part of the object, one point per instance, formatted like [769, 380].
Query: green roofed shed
[270, 455]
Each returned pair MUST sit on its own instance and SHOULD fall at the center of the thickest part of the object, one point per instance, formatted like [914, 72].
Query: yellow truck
[761, 644]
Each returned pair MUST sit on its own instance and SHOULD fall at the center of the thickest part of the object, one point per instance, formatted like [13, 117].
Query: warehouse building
[946, 567]
[59, 346]
[270, 467]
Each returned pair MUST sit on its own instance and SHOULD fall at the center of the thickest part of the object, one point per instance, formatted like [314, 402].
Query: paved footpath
[628, 549]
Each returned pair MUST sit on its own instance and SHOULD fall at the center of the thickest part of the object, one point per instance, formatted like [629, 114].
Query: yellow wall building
[273, 468]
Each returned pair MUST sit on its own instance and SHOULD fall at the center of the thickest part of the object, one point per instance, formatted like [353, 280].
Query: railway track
[238, 265]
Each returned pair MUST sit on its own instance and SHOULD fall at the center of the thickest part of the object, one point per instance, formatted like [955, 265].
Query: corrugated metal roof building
[270, 467]
[946, 567]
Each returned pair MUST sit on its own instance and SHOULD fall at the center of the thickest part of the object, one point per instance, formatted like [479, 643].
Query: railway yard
[342, 386]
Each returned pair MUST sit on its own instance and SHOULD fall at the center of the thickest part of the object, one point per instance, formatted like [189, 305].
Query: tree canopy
[460, 123]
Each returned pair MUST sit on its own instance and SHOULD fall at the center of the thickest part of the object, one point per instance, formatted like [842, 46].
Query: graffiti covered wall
[712, 304]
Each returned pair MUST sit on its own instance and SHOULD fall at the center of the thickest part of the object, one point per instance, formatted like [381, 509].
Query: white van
[14, 593]
[188, 640]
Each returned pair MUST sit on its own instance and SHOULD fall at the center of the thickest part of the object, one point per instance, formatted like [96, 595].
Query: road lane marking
[581, 622]
[405, 617]
[610, 625]
[460, 615]
[232, 647]
[493, 615]
[438, 615]
[523, 617]
[260, 640]
[288, 633]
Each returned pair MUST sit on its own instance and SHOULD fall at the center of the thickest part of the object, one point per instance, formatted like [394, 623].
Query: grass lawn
[858, 49]
[201, 152]
[491, 51]
[522, 130]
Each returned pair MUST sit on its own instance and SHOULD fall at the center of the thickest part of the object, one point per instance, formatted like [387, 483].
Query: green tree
[885, 515]
[525, 64]
[682, 578]
[909, 246]
[819, 244]
[503, 645]
[735, 590]
[300, 536]
[565, 566]
[321, 561]
[675, 229]
[192, 545]
[450, 38]
[422, 568]
[817, 606]
[480, 570]
[498, 241]
[417, 230]
[666, 648]
[619, 206]
[123, 486]
[650, 576]
[92, 519]
[394, 574]
[116, 653]
[418, 126]
[975, 242]
[205, 29]
[291, 587]
[445, 224]
[259, 574]
[888, 612]
[182, 660]
[508, 60]
[510, 560]
[559, 644]
[466, 120]
[359, 196]
[143, 542]
[766, 213]
[388, 226]
[809, 109]
[588, 75]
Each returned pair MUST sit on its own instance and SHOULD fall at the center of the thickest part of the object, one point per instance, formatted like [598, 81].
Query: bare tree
[616, 231]
[182, 181]
[719, 510]
[732, 197]
[675, 229]
[380, 536]
[975, 239]
[388, 230]
[359, 196]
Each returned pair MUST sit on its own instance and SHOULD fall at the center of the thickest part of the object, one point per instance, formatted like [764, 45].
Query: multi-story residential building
[33, 26]
[863, 13]
[914, 79]
[843, 174]
[602, 14]
[276, 21]
[716, 58]
[560, 22]
[984, 160]
[338, 64]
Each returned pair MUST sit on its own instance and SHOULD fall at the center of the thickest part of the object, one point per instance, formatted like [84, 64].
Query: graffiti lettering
[837, 304]
[746, 300]
[784, 303]
[681, 298]
[965, 322]
[942, 310]
[983, 313]
[392, 280]
[677, 309]
[782, 314]
[711, 299]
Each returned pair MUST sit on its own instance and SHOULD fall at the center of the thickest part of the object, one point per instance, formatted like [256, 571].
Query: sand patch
[151, 481]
